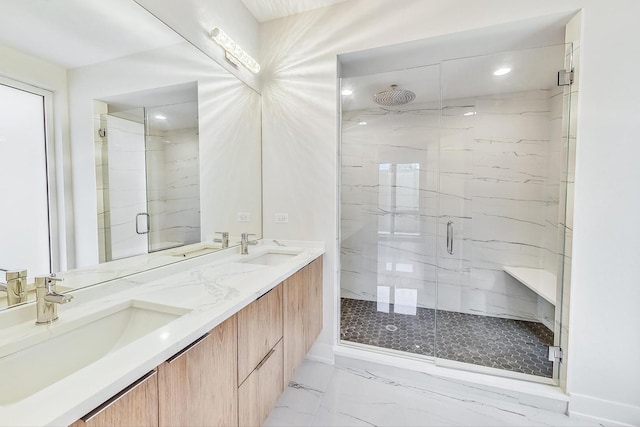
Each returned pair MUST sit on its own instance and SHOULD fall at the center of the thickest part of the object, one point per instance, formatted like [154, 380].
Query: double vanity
[212, 340]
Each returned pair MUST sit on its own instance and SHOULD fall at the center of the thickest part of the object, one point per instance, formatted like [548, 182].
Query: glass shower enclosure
[451, 211]
[152, 183]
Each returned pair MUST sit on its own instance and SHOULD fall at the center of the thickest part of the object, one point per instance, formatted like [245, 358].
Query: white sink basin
[271, 258]
[195, 250]
[64, 348]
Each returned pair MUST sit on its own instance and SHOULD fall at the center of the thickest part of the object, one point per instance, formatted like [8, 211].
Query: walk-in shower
[452, 211]
[148, 167]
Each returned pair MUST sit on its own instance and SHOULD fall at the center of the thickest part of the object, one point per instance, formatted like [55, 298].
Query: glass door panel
[389, 161]
[173, 175]
[500, 182]
[125, 201]
[24, 218]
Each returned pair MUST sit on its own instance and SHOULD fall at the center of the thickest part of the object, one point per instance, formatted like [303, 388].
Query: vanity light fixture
[502, 71]
[469, 113]
[234, 53]
[347, 92]
[362, 123]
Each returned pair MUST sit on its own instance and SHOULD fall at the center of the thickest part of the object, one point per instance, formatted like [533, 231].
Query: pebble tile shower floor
[513, 345]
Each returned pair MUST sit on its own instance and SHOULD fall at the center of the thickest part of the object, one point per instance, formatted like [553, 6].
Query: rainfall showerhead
[394, 96]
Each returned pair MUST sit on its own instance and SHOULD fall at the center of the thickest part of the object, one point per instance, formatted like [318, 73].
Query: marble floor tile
[358, 393]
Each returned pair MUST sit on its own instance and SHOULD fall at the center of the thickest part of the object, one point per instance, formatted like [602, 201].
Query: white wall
[300, 145]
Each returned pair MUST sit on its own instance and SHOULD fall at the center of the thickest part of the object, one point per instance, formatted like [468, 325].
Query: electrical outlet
[281, 218]
[243, 217]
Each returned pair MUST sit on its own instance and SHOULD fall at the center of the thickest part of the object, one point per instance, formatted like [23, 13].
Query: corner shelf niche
[540, 281]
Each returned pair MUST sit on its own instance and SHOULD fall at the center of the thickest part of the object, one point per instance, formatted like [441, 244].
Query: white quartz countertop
[213, 287]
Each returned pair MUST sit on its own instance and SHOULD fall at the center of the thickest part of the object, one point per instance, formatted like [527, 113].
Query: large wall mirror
[142, 147]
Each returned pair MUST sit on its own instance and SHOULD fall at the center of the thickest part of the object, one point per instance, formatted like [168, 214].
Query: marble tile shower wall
[173, 187]
[369, 259]
[499, 174]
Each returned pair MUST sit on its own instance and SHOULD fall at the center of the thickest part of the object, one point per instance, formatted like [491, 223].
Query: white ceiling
[533, 48]
[268, 10]
[532, 69]
[74, 33]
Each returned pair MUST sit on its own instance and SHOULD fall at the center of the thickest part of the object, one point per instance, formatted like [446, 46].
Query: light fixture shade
[232, 48]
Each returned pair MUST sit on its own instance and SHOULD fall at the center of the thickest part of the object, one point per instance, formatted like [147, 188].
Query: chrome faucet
[16, 286]
[245, 242]
[47, 299]
[224, 238]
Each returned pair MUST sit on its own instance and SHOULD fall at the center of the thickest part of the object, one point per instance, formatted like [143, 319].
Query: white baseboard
[603, 411]
[321, 352]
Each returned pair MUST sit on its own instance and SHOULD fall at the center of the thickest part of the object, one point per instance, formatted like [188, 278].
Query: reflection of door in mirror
[25, 238]
[149, 171]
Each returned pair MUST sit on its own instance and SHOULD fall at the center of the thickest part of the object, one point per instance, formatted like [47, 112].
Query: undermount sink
[271, 258]
[65, 348]
[198, 250]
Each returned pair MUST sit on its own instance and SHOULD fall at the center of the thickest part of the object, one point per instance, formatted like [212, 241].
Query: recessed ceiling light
[347, 92]
[469, 113]
[362, 123]
[160, 117]
[502, 71]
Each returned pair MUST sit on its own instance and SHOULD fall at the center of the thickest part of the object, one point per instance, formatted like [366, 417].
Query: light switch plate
[243, 217]
[281, 218]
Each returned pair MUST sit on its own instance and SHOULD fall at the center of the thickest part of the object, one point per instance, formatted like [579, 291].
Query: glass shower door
[172, 175]
[501, 180]
[126, 200]
[389, 160]
[152, 196]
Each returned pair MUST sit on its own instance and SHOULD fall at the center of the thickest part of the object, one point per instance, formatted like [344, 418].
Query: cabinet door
[137, 405]
[302, 317]
[295, 305]
[198, 386]
[260, 391]
[259, 329]
[314, 301]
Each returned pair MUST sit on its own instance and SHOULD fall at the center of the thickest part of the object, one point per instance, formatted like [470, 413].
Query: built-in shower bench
[540, 281]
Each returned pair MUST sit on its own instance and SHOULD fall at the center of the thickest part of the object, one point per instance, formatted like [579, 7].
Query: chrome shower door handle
[450, 237]
[137, 223]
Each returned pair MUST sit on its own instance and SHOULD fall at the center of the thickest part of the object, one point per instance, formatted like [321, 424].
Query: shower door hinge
[555, 354]
[565, 78]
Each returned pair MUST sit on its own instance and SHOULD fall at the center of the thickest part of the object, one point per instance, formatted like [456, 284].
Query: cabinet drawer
[260, 391]
[259, 329]
[137, 405]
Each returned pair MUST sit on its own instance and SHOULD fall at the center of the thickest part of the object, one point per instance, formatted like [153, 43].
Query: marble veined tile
[358, 393]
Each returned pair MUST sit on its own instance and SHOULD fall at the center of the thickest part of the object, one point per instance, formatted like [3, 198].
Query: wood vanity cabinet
[198, 386]
[260, 357]
[137, 405]
[302, 315]
[234, 374]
